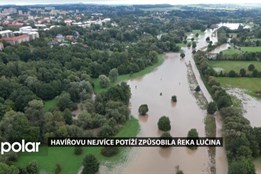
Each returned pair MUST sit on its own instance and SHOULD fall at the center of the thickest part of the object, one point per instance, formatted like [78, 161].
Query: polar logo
[20, 147]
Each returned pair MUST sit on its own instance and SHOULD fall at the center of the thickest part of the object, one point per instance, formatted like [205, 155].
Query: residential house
[59, 38]
[69, 37]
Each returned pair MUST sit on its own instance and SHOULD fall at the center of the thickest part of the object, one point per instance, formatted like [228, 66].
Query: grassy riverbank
[48, 157]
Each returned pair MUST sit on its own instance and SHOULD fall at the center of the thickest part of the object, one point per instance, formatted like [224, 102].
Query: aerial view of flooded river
[171, 78]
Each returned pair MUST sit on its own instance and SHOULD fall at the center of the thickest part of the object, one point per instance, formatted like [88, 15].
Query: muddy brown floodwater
[169, 79]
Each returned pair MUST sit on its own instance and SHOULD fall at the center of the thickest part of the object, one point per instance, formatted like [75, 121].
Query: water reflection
[173, 104]
[165, 152]
[143, 118]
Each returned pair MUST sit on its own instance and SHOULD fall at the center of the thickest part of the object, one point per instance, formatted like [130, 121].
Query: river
[170, 78]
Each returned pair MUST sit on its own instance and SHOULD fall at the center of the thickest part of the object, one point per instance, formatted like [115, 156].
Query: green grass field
[181, 44]
[252, 85]
[48, 157]
[231, 51]
[197, 31]
[125, 77]
[49, 104]
[251, 49]
[234, 65]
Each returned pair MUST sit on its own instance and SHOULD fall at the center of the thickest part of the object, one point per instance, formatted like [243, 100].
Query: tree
[197, 35]
[232, 73]
[64, 101]
[251, 67]
[35, 112]
[174, 98]
[32, 168]
[107, 131]
[18, 127]
[164, 123]
[242, 166]
[21, 96]
[197, 89]
[104, 81]
[194, 44]
[212, 108]
[67, 115]
[193, 133]
[90, 165]
[182, 55]
[5, 169]
[143, 109]
[242, 72]
[223, 101]
[165, 136]
[113, 74]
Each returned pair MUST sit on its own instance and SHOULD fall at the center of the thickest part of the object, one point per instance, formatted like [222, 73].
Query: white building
[1, 46]
[33, 35]
[27, 29]
[6, 33]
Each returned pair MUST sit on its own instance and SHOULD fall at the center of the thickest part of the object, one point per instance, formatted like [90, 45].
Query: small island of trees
[193, 133]
[164, 123]
[143, 109]
[174, 98]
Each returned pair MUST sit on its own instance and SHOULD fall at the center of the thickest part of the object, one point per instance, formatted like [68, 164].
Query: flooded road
[170, 79]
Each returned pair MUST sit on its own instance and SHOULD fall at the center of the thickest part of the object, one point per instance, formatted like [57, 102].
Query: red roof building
[15, 25]
[17, 39]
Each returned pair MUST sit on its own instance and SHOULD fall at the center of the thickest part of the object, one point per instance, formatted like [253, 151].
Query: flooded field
[251, 106]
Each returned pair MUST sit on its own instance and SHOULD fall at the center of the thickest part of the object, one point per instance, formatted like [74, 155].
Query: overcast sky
[24, 2]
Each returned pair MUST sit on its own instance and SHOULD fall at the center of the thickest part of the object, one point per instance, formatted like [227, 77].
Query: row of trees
[241, 140]
[245, 56]
[250, 72]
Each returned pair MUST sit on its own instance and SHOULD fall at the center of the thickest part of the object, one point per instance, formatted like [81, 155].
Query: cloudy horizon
[173, 2]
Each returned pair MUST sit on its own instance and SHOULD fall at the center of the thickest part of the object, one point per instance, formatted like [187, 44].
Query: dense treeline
[242, 141]
[245, 56]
